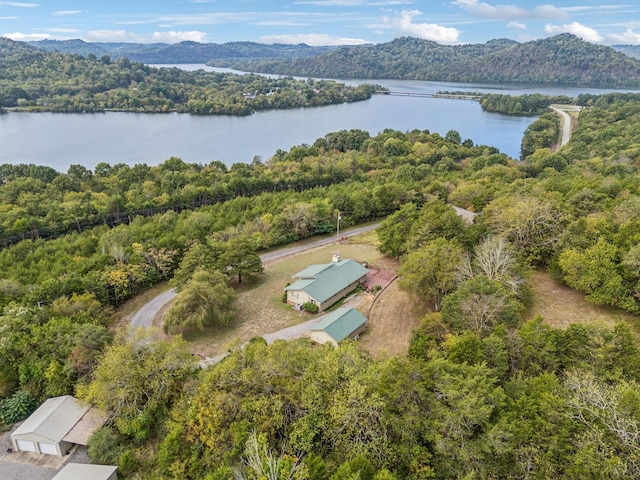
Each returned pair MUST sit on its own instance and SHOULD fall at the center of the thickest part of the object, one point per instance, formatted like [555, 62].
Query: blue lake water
[59, 140]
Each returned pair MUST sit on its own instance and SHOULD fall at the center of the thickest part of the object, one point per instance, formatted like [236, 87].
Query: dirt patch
[560, 305]
[391, 321]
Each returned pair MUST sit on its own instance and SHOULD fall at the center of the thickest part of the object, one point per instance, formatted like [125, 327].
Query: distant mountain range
[632, 51]
[183, 52]
[560, 60]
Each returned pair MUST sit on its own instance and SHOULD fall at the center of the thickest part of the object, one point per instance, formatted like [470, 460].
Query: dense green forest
[482, 393]
[33, 80]
[182, 52]
[561, 60]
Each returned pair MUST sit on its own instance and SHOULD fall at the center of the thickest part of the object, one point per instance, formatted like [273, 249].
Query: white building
[56, 425]
[82, 471]
[338, 325]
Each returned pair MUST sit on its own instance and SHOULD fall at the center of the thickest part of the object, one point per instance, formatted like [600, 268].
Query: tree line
[33, 80]
[484, 391]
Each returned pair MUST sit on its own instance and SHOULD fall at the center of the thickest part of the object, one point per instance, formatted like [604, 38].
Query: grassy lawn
[260, 308]
[560, 306]
[391, 321]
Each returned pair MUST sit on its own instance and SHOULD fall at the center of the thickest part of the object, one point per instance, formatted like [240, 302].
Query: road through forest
[567, 121]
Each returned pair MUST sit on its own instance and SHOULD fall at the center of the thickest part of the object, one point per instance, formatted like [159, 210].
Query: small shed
[46, 431]
[338, 325]
[83, 471]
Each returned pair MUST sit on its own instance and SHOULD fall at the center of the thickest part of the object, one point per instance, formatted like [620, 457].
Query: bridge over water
[457, 96]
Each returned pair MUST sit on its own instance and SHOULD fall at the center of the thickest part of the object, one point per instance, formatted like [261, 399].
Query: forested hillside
[561, 60]
[183, 52]
[38, 81]
[481, 392]
[632, 51]
[405, 57]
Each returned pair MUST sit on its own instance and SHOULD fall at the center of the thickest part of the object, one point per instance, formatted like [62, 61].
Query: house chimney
[335, 258]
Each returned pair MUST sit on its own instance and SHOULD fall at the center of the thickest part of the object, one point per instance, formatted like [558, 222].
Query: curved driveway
[144, 317]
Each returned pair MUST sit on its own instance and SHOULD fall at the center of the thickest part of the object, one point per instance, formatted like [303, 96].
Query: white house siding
[322, 337]
[298, 297]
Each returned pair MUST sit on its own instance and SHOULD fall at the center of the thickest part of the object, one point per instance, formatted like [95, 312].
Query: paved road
[144, 317]
[566, 124]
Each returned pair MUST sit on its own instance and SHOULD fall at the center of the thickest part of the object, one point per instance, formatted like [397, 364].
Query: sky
[318, 22]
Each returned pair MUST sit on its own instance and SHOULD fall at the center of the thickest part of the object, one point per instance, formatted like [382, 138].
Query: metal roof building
[325, 284]
[82, 471]
[46, 430]
[338, 325]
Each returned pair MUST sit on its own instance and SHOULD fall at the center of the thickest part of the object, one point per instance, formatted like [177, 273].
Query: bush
[284, 294]
[105, 446]
[127, 462]
[16, 408]
[310, 307]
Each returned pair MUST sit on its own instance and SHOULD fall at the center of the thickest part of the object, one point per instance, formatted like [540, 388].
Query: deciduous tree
[430, 272]
[137, 378]
[205, 300]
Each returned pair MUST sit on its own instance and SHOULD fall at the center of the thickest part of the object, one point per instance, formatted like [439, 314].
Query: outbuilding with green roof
[338, 325]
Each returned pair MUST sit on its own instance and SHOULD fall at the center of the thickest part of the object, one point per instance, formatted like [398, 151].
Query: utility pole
[338, 229]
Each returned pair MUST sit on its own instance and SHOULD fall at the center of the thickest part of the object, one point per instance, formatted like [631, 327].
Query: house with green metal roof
[325, 284]
[338, 325]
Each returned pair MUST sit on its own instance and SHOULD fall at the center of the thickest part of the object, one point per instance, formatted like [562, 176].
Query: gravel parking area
[30, 466]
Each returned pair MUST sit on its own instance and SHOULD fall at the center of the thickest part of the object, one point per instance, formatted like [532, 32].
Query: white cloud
[207, 18]
[62, 30]
[155, 37]
[27, 37]
[282, 23]
[62, 13]
[8, 18]
[578, 29]
[313, 39]
[518, 25]
[629, 37]
[20, 4]
[176, 37]
[112, 36]
[355, 3]
[428, 31]
[509, 12]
